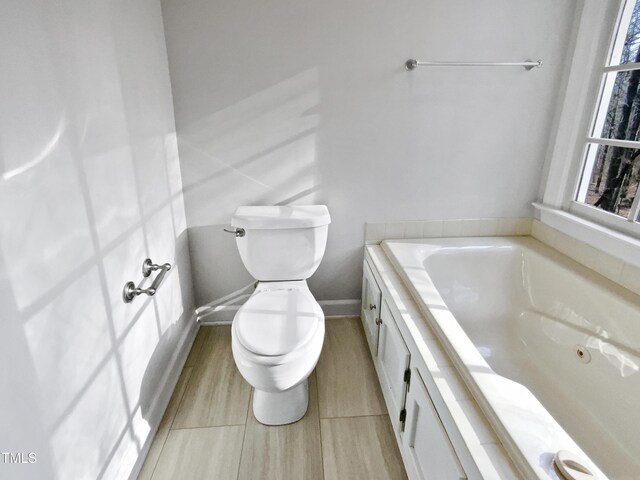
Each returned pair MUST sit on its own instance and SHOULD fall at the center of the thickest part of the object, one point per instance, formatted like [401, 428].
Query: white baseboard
[167, 385]
[341, 308]
[220, 315]
[223, 314]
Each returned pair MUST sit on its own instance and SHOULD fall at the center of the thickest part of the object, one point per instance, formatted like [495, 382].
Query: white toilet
[277, 334]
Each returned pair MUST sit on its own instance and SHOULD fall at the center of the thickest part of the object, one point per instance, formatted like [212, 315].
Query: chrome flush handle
[239, 232]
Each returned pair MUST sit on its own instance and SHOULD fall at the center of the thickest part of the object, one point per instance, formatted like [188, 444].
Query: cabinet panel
[370, 312]
[425, 438]
[393, 360]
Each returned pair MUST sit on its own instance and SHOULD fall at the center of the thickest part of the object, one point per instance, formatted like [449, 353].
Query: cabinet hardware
[378, 321]
[372, 307]
[407, 381]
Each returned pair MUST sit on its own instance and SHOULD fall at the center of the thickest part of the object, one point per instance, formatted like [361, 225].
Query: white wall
[308, 102]
[90, 186]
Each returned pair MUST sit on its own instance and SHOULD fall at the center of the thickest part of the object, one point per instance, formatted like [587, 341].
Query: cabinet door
[370, 312]
[425, 438]
[393, 361]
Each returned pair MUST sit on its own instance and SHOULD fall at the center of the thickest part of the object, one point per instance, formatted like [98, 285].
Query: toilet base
[282, 407]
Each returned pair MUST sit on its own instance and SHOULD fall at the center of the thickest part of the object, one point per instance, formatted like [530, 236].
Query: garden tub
[549, 349]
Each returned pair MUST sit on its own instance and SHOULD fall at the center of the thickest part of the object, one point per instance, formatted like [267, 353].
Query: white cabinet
[425, 439]
[370, 312]
[393, 364]
[429, 438]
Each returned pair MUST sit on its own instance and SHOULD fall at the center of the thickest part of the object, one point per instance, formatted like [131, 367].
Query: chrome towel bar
[412, 64]
[130, 291]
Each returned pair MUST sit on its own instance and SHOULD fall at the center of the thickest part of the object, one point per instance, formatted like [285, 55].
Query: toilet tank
[282, 242]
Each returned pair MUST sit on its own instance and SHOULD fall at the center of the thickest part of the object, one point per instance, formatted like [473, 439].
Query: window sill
[612, 242]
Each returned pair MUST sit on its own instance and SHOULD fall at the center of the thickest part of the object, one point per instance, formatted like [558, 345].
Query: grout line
[153, 471]
[186, 386]
[356, 416]
[198, 364]
[208, 426]
[319, 425]
[184, 391]
[244, 433]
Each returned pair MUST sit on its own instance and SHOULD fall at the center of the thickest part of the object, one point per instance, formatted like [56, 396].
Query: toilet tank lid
[276, 217]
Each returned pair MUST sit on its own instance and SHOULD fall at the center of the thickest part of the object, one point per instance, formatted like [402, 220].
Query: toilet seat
[275, 322]
[276, 339]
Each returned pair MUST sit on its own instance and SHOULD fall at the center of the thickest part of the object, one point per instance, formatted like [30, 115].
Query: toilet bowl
[277, 335]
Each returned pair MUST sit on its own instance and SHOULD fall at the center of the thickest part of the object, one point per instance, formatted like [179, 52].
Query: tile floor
[208, 430]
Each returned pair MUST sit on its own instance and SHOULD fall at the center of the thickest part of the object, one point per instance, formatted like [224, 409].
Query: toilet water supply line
[130, 291]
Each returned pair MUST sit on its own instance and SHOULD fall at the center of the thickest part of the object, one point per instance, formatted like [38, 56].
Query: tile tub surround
[470, 227]
[344, 405]
[606, 265]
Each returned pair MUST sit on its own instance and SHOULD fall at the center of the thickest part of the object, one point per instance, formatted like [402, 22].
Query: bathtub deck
[208, 430]
[513, 313]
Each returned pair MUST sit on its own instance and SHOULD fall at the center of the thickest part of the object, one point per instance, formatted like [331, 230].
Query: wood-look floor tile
[194, 354]
[286, 452]
[165, 425]
[201, 453]
[347, 382]
[360, 447]
[216, 393]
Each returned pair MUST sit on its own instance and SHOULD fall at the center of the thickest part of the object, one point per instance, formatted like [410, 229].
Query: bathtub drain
[572, 467]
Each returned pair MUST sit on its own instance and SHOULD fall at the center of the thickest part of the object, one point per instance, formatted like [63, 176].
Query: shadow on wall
[89, 187]
[259, 150]
[79, 354]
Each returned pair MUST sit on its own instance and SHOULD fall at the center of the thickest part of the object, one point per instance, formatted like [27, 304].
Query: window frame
[631, 224]
[594, 33]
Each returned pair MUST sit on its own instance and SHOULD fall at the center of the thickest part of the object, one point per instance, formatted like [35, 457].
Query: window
[607, 190]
